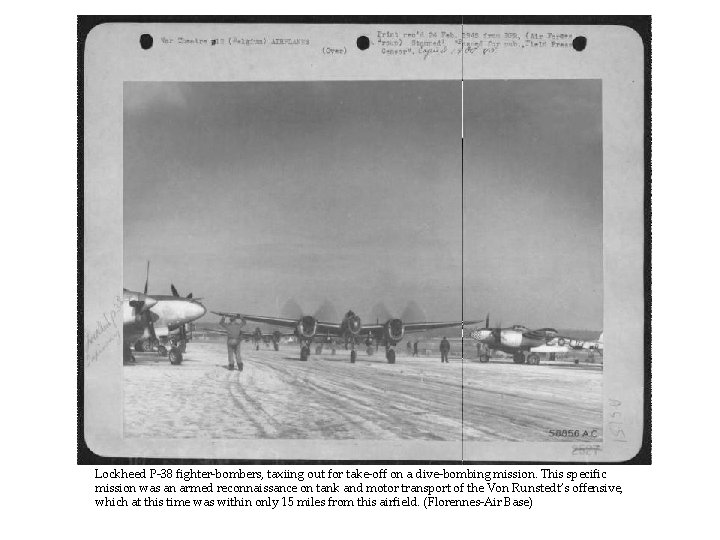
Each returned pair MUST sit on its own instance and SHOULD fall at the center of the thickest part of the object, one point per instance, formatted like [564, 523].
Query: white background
[45, 492]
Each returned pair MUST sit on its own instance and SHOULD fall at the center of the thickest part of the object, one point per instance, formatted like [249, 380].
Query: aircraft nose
[196, 310]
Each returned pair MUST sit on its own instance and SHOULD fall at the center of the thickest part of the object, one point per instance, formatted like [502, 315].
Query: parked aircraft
[591, 346]
[158, 322]
[519, 341]
[258, 336]
[350, 328]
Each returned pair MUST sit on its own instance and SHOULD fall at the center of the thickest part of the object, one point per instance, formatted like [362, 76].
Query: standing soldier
[234, 338]
[409, 348]
[415, 347]
[444, 350]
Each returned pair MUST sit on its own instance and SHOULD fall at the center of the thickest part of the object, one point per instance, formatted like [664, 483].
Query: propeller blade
[487, 321]
[150, 325]
[173, 290]
[147, 277]
[291, 310]
[413, 313]
[381, 312]
[326, 312]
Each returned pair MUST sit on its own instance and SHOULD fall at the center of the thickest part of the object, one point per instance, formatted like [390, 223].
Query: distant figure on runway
[415, 347]
[444, 350]
[409, 348]
[234, 338]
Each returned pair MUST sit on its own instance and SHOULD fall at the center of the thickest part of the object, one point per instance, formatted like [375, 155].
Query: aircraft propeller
[147, 278]
[497, 332]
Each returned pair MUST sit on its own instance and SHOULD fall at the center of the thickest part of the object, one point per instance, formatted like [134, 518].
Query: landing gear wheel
[353, 356]
[162, 350]
[519, 358]
[147, 346]
[577, 360]
[552, 357]
[370, 351]
[175, 356]
[276, 346]
[390, 355]
[484, 359]
[533, 359]
[139, 346]
[304, 353]
[318, 350]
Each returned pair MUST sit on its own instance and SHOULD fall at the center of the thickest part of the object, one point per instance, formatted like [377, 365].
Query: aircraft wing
[276, 321]
[322, 327]
[415, 327]
[423, 326]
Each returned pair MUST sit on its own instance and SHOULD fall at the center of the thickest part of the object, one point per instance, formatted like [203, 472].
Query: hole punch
[579, 43]
[146, 41]
[363, 42]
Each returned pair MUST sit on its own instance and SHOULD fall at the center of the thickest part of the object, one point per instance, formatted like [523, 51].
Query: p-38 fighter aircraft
[258, 336]
[350, 328]
[158, 322]
[519, 341]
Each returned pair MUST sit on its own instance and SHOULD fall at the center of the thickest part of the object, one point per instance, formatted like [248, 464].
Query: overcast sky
[533, 202]
[256, 196]
[250, 194]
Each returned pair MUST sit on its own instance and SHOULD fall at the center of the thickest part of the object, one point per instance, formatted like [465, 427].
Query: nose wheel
[390, 356]
[304, 353]
[175, 356]
[353, 356]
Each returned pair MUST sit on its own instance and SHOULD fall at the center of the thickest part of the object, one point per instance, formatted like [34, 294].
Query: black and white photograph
[313, 239]
[366, 263]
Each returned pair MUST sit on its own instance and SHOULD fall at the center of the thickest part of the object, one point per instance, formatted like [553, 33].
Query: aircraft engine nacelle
[482, 334]
[394, 330]
[136, 308]
[354, 324]
[511, 338]
[307, 327]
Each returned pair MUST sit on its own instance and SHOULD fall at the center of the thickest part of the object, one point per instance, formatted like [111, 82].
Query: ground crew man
[415, 347]
[234, 338]
[409, 348]
[444, 350]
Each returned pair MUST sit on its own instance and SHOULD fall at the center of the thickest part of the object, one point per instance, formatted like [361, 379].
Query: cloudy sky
[251, 194]
[533, 202]
[257, 196]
